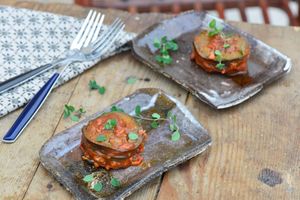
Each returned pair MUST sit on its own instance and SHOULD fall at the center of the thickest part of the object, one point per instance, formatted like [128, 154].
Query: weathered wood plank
[262, 133]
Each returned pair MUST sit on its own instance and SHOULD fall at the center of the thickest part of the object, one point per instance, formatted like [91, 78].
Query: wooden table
[258, 137]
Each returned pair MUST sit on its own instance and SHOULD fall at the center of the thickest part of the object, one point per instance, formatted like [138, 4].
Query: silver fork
[86, 47]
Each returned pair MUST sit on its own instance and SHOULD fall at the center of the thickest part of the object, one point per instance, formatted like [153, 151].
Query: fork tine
[83, 26]
[92, 31]
[110, 39]
[87, 30]
[108, 32]
[98, 28]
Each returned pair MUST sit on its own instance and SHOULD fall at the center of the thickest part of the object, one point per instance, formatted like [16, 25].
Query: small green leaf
[74, 118]
[116, 109]
[70, 108]
[173, 127]
[212, 24]
[101, 138]
[159, 59]
[98, 187]
[164, 51]
[93, 85]
[174, 119]
[154, 124]
[66, 113]
[88, 178]
[131, 80]
[101, 90]
[133, 136]
[226, 45]
[137, 110]
[218, 53]
[169, 114]
[115, 182]
[107, 127]
[174, 45]
[155, 116]
[213, 33]
[164, 39]
[156, 43]
[166, 59]
[81, 110]
[220, 66]
[175, 136]
[110, 124]
[113, 122]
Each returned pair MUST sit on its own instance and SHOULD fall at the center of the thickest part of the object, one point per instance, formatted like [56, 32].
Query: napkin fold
[29, 39]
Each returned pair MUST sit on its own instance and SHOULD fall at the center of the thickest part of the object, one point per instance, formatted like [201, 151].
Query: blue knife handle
[30, 110]
[22, 78]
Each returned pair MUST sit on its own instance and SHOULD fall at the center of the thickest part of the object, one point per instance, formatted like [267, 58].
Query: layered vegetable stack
[114, 140]
[217, 51]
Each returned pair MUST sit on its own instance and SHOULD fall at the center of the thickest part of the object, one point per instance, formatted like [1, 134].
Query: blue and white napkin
[29, 39]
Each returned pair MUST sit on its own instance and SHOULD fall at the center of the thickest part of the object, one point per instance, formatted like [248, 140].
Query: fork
[86, 46]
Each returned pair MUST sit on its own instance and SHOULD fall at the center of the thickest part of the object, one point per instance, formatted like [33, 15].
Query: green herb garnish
[69, 111]
[115, 182]
[88, 178]
[220, 65]
[164, 45]
[226, 45]
[154, 124]
[131, 80]
[213, 29]
[174, 127]
[98, 187]
[175, 136]
[133, 136]
[155, 116]
[101, 138]
[110, 124]
[137, 110]
[94, 86]
[116, 109]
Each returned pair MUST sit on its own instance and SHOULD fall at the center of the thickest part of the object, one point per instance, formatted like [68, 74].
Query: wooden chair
[176, 6]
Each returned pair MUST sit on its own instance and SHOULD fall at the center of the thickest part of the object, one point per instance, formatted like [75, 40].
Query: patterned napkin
[29, 39]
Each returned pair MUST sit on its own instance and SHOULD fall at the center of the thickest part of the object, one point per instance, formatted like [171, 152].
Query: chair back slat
[264, 9]
[220, 9]
[198, 6]
[286, 8]
[242, 9]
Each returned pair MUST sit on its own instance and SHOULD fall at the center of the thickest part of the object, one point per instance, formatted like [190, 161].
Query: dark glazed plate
[265, 64]
[61, 155]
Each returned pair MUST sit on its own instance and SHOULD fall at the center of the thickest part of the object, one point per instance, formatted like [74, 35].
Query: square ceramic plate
[61, 155]
[265, 64]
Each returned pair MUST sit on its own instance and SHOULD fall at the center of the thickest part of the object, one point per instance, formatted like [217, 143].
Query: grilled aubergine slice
[234, 49]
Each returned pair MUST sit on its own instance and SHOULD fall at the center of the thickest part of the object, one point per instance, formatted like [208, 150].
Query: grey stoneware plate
[61, 154]
[265, 64]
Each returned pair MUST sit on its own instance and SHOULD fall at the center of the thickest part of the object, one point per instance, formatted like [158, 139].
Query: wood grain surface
[254, 144]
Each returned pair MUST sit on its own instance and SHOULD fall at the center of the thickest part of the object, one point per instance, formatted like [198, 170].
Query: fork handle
[30, 110]
[22, 78]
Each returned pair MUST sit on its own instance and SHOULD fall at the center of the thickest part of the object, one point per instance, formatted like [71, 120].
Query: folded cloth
[29, 39]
